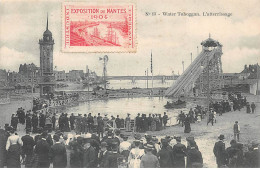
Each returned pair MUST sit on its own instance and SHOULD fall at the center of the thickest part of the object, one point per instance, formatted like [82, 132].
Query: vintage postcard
[129, 83]
[104, 27]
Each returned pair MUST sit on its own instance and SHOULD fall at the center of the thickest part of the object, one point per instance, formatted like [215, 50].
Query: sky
[171, 39]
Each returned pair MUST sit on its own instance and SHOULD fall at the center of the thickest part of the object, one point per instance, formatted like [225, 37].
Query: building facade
[60, 75]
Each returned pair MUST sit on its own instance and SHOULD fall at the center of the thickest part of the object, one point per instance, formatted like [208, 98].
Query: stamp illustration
[98, 28]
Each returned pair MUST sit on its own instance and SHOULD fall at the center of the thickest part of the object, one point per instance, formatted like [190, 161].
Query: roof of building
[47, 32]
[210, 42]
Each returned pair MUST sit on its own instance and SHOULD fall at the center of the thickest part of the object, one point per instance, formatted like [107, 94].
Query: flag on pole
[151, 62]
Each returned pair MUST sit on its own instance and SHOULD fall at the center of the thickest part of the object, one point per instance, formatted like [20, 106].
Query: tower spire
[47, 22]
[209, 35]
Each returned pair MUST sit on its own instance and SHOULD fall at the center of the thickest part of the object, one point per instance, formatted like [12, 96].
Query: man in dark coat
[72, 121]
[253, 106]
[90, 122]
[194, 157]
[53, 120]
[137, 122]
[27, 148]
[179, 152]
[109, 139]
[28, 125]
[3, 138]
[38, 135]
[236, 129]
[14, 121]
[35, 121]
[58, 155]
[181, 118]
[253, 156]
[165, 155]
[100, 127]
[149, 121]
[21, 115]
[118, 122]
[112, 158]
[165, 119]
[42, 150]
[76, 154]
[60, 122]
[42, 120]
[89, 156]
[220, 152]
[232, 154]
[66, 123]
[211, 117]
[84, 124]
[102, 155]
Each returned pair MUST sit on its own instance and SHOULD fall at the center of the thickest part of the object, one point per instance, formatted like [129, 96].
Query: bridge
[133, 78]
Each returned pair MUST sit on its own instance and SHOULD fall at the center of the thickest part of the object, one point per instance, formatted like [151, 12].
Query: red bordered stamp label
[98, 28]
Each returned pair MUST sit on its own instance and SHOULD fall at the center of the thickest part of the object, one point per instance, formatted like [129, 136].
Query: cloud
[231, 58]
[10, 59]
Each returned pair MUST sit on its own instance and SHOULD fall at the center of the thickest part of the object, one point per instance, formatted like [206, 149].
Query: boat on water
[175, 105]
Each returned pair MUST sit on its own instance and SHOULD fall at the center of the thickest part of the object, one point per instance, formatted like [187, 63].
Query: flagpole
[152, 70]
[147, 78]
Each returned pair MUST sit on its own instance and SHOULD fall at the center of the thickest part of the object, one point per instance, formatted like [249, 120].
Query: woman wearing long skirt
[248, 110]
[187, 127]
[13, 148]
[135, 155]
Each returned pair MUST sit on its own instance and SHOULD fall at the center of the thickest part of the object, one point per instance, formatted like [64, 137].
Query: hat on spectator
[56, 137]
[148, 137]
[149, 147]
[137, 136]
[221, 137]
[103, 144]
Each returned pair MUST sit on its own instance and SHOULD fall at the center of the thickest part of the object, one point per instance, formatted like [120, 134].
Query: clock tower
[47, 80]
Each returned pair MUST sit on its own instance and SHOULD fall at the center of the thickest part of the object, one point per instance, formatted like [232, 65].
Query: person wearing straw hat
[148, 159]
[220, 151]
[125, 147]
[135, 155]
